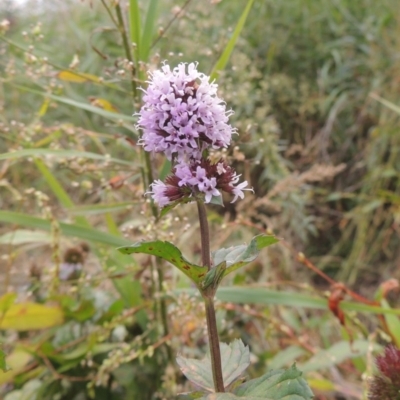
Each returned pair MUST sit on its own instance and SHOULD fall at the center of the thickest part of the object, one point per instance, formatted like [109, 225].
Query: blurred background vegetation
[314, 87]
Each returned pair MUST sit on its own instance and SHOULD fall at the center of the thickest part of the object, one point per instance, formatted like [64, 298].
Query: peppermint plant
[183, 118]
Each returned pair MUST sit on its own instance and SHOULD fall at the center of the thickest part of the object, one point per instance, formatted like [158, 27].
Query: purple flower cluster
[182, 114]
[386, 384]
[198, 177]
[183, 118]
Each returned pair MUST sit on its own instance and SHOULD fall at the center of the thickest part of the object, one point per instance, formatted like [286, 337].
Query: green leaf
[149, 29]
[235, 358]
[31, 316]
[386, 103]
[83, 106]
[337, 353]
[169, 252]
[3, 363]
[213, 278]
[81, 311]
[286, 356]
[276, 385]
[165, 169]
[223, 60]
[393, 323]
[238, 256]
[134, 29]
[217, 200]
[16, 361]
[94, 209]
[259, 295]
[165, 210]
[91, 234]
[58, 190]
[6, 301]
[30, 391]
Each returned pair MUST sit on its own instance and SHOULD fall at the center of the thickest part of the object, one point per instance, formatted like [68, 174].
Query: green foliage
[275, 385]
[238, 256]
[3, 363]
[321, 153]
[235, 359]
[223, 60]
[170, 253]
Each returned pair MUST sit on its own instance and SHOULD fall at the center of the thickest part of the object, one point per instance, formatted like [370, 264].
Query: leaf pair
[225, 261]
[274, 385]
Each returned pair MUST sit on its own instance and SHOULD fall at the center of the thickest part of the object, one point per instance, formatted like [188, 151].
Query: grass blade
[24, 236]
[386, 103]
[61, 153]
[58, 190]
[223, 60]
[55, 186]
[258, 295]
[82, 232]
[83, 106]
[134, 29]
[148, 29]
[93, 209]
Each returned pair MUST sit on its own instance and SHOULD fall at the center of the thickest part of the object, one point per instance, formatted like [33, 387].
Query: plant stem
[205, 235]
[215, 351]
[212, 331]
[124, 35]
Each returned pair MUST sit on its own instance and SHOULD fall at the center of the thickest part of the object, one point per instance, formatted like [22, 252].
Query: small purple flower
[198, 178]
[166, 193]
[159, 193]
[182, 114]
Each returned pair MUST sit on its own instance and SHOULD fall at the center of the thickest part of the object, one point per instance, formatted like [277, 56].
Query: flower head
[386, 385]
[198, 178]
[182, 114]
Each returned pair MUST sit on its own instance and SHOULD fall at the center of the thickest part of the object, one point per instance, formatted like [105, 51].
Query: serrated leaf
[235, 358]
[238, 256]
[170, 253]
[276, 385]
